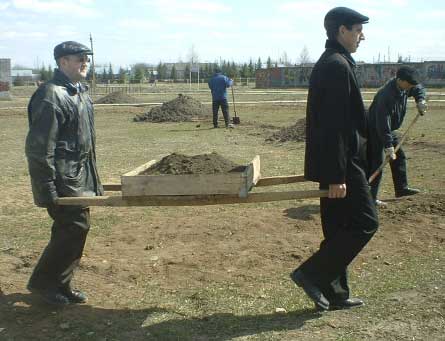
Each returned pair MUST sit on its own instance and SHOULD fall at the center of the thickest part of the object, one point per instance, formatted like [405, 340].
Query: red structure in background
[4, 86]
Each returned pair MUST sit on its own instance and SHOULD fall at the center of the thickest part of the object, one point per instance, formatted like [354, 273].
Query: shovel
[235, 119]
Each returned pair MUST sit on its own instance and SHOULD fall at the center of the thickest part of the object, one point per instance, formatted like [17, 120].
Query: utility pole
[190, 74]
[93, 80]
[198, 75]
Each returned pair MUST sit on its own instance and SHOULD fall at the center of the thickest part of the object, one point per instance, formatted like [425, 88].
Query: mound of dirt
[297, 133]
[198, 164]
[180, 109]
[116, 97]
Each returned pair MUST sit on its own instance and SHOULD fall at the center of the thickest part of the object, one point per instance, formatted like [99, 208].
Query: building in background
[5, 78]
[24, 76]
[369, 75]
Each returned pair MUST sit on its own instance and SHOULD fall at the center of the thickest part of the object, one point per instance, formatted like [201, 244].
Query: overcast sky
[127, 32]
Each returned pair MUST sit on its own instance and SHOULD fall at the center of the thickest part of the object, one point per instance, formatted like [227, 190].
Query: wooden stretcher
[138, 189]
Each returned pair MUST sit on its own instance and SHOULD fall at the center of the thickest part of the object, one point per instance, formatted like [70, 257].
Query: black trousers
[398, 167]
[348, 225]
[225, 110]
[62, 254]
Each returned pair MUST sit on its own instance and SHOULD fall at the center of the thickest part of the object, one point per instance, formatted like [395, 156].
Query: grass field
[222, 272]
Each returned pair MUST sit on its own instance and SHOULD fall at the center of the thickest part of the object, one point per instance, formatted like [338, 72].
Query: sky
[149, 31]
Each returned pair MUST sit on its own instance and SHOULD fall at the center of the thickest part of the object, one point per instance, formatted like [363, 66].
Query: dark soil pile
[198, 164]
[181, 109]
[115, 98]
[297, 133]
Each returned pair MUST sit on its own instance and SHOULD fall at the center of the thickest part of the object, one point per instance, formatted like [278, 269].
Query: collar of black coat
[395, 88]
[334, 44]
[61, 79]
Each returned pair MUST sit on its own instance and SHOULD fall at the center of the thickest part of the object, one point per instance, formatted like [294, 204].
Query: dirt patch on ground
[169, 267]
[116, 98]
[426, 146]
[197, 164]
[181, 109]
[435, 204]
[296, 132]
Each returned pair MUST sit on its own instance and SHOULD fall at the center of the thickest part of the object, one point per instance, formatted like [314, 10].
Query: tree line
[166, 71]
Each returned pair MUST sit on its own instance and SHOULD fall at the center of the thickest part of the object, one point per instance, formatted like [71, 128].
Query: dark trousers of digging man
[225, 110]
[398, 166]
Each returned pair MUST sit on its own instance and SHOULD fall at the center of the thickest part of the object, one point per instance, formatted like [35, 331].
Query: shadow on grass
[305, 212]
[25, 317]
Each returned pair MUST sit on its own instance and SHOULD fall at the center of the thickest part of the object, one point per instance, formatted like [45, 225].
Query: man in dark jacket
[386, 115]
[218, 85]
[60, 148]
[336, 159]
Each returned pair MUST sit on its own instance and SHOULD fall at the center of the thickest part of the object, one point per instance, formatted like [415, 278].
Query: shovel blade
[236, 120]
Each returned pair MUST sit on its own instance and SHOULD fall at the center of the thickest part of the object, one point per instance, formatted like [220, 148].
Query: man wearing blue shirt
[218, 85]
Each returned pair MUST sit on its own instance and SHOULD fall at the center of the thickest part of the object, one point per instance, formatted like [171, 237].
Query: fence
[145, 87]
[369, 75]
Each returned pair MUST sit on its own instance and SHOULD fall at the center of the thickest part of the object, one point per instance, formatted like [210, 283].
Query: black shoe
[53, 297]
[346, 304]
[406, 192]
[74, 296]
[310, 289]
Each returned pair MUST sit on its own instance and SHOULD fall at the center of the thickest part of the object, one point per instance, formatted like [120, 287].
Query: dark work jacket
[218, 85]
[60, 145]
[335, 117]
[388, 110]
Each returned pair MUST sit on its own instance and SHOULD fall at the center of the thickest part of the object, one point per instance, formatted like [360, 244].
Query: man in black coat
[336, 127]
[386, 114]
[60, 148]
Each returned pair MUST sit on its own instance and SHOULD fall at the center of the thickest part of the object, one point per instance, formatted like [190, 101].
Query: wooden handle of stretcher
[190, 200]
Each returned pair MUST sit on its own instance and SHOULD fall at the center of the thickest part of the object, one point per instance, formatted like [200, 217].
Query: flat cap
[70, 47]
[343, 16]
[406, 73]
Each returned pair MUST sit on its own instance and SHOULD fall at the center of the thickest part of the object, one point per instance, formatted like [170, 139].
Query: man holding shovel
[218, 85]
[386, 115]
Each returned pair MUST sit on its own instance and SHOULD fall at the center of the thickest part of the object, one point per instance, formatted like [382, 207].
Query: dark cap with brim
[69, 48]
[406, 73]
[344, 16]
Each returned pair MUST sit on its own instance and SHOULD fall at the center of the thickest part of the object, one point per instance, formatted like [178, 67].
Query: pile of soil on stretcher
[178, 164]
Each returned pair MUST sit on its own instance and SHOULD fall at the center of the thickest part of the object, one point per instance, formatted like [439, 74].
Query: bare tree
[304, 56]
[192, 56]
[20, 67]
[285, 59]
